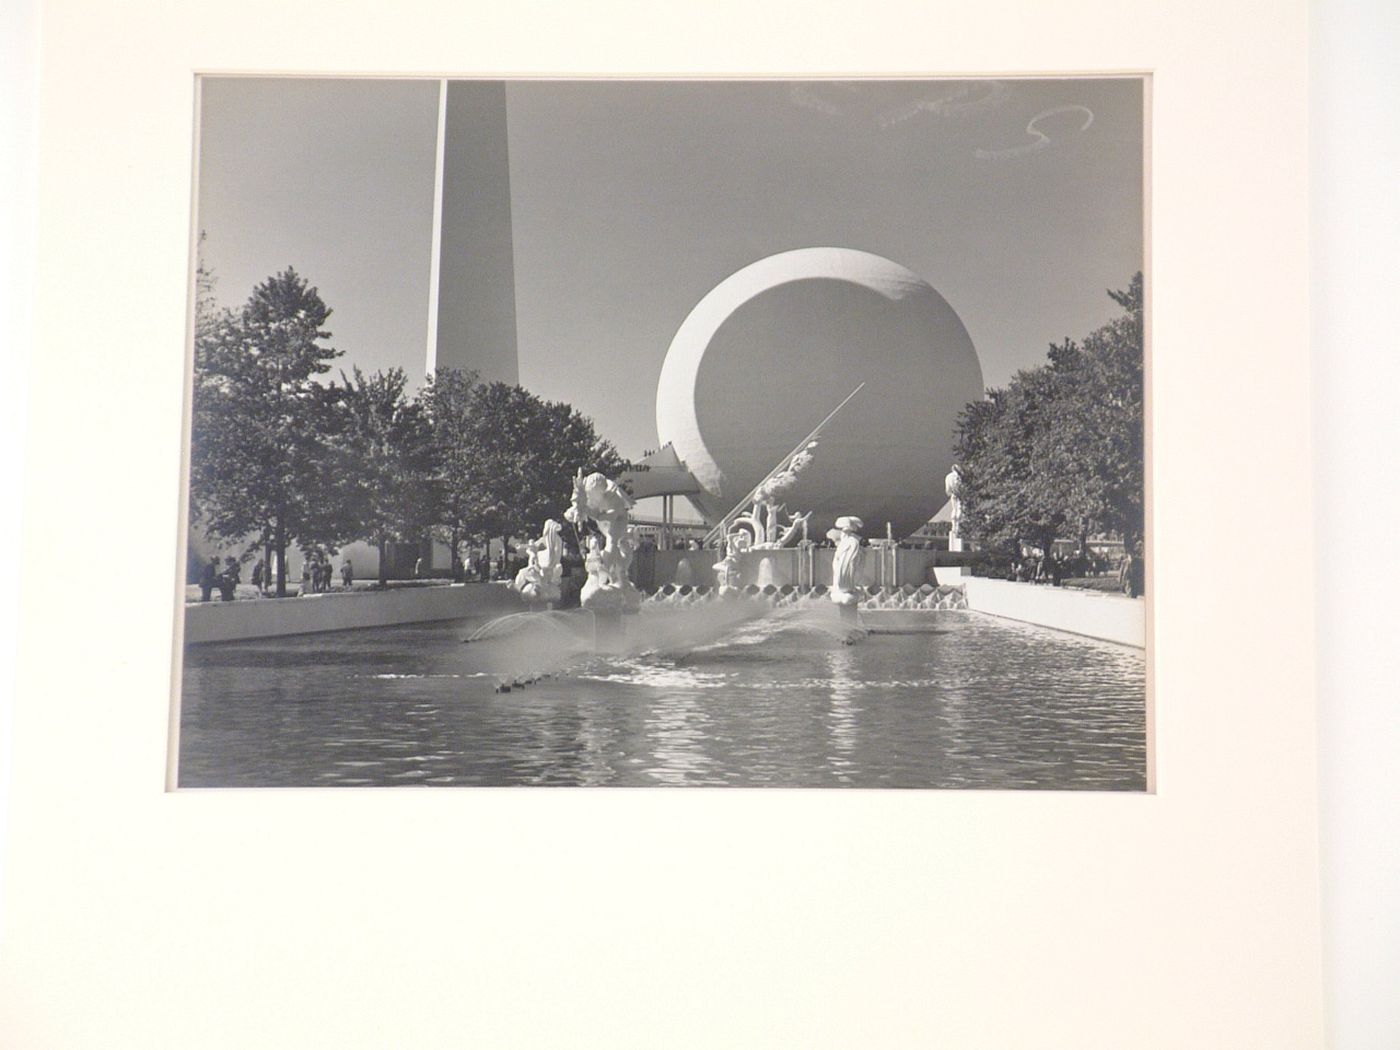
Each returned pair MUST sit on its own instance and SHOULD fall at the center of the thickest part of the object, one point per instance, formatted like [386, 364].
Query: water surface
[972, 702]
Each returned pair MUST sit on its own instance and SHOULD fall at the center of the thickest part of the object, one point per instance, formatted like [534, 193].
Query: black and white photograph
[647, 433]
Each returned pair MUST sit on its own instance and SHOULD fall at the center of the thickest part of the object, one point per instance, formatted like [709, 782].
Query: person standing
[228, 580]
[347, 574]
[1133, 575]
[208, 578]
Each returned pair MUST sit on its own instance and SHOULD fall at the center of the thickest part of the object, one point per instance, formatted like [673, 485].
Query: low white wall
[1111, 617]
[274, 617]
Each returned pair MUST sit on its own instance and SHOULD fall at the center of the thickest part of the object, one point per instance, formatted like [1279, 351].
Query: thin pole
[718, 530]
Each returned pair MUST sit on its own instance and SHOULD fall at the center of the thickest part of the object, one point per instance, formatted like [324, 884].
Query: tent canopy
[661, 474]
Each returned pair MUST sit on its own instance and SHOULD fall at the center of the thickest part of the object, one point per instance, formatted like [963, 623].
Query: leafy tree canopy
[280, 456]
[508, 457]
[384, 486]
[258, 454]
[1059, 450]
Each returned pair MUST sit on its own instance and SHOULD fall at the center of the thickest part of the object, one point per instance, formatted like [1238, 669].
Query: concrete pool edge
[1089, 614]
[313, 614]
[1107, 617]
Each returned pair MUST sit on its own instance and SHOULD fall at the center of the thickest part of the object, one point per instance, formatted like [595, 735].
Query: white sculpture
[539, 580]
[797, 523]
[763, 519]
[727, 572]
[845, 564]
[599, 585]
[952, 486]
[601, 502]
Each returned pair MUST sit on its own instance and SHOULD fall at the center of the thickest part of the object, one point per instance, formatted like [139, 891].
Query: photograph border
[180, 590]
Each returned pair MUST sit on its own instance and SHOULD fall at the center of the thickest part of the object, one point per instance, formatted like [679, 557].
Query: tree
[258, 458]
[1092, 452]
[1061, 446]
[1114, 354]
[447, 403]
[1004, 490]
[382, 458]
[206, 305]
[208, 317]
[507, 457]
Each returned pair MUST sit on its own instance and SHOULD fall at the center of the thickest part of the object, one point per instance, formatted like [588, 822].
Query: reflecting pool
[960, 701]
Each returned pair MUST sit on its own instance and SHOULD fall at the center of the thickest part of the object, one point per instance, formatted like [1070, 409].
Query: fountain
[685, 575]
[528, 646]
[600, 511]
[766, 577]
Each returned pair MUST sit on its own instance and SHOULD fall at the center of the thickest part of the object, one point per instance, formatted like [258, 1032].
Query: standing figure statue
[797, 525]
[845, 565]
[599, 583]
[539, 580]
[600, 504]
[952, 485]
[729, 570]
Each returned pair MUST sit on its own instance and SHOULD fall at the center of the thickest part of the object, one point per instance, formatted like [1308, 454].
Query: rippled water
[972, 703]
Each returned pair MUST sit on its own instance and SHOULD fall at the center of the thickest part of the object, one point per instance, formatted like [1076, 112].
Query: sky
[1020, 201]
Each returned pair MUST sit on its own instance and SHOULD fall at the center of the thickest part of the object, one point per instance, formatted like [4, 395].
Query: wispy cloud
[1039, 139]
[959, 99]
[890, 103]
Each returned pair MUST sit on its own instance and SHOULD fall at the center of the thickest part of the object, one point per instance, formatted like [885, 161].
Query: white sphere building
[773, 348]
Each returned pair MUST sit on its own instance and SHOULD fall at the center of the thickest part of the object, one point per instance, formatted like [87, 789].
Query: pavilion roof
[661, 473]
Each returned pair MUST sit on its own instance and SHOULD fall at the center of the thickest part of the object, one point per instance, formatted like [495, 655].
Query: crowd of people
[1034, 565]
[225, 580]
[317, 576]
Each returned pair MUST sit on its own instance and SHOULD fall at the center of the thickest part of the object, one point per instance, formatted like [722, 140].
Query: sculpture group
[762, 523]
[600, 511]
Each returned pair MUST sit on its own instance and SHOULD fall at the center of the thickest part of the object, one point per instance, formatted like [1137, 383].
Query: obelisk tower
[471, 312]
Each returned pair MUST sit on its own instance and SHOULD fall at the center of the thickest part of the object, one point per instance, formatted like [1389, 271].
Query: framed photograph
[664, 413]
[268, 908]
